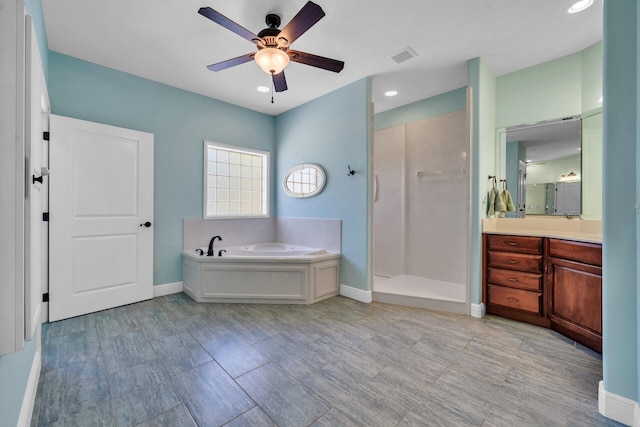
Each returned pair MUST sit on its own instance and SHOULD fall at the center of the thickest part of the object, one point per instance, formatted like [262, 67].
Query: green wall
[484, 92]
[564, 87]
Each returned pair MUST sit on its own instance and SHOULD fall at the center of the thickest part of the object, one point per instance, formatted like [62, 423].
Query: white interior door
[101, 198]
[37, 119]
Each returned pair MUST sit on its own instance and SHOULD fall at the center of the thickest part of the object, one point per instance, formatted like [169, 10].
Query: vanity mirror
[302, 181]
[542, 164]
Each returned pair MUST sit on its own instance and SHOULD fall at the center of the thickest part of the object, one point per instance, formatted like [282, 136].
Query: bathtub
[276, 273]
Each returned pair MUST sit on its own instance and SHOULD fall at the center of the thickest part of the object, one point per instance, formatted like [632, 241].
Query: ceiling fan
[273, 53]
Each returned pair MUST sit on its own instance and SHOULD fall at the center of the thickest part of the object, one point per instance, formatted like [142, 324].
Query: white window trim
[266, 171]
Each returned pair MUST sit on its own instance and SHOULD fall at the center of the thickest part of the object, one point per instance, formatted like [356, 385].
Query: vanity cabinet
[547, 282]
[514, 282]
[575, 290]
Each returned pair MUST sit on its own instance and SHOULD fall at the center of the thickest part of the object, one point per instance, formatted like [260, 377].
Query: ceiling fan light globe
[272, 60]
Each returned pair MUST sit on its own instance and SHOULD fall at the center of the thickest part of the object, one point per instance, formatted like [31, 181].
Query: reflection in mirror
[304, 181]
[543, 160]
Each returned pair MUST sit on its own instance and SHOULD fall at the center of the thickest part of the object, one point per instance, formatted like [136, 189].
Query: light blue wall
[15, 368]
[14, 375]
[438, 105]
[620, 185]
[333, 132]
[179, 120]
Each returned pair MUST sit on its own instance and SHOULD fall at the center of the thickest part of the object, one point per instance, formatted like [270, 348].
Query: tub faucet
[213, 239]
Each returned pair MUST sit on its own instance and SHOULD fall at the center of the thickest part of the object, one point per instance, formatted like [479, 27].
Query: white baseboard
[618, 408]
[478, 310]
[167, 289]
[356, 293]
[30, 393]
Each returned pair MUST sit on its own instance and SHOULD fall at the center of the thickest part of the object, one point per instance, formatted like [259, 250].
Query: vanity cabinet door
[574, 280]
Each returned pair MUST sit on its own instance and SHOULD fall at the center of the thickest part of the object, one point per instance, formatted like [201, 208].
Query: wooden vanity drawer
[522, 244]
[515, 298]
[515, 279]
[515, 261]
[586, 253]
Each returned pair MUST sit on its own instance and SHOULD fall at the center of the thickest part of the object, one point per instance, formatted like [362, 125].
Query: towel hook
[351, 171]
[504, 184]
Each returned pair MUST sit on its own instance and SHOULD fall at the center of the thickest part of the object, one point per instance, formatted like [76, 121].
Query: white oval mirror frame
[302, 181]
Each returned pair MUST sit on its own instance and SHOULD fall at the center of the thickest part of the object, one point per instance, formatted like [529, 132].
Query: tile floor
[172, 362]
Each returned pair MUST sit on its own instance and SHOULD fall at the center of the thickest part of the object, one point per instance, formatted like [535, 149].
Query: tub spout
[213, 239]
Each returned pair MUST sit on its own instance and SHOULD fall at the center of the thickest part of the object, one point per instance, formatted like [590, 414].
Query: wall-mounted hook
[351, 171]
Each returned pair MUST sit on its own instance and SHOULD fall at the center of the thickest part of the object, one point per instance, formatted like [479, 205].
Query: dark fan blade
[231, 62]
[279, 82]
[227, 23]
[316, 61]
[305, 19]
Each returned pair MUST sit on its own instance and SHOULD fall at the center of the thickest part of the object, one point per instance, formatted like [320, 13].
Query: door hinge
[45, 216]
[45, 136]
[45, 297]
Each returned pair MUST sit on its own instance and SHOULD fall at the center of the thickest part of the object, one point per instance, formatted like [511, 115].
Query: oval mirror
[303, 181]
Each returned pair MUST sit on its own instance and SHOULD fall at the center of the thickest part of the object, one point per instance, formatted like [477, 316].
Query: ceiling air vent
[404, 55]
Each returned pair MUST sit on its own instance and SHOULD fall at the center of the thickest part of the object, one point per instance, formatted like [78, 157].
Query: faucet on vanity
[213, 239]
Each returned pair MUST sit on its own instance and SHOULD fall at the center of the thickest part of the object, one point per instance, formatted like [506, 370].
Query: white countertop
[557, 227]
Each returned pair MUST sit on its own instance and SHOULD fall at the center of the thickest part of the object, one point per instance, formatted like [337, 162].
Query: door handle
[146, 224]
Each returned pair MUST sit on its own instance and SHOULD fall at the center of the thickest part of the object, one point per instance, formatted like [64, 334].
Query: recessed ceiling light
[263, 89]
[579, 6]
[391, 93]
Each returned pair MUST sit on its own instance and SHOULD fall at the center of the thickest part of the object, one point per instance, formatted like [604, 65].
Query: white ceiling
[169, 42]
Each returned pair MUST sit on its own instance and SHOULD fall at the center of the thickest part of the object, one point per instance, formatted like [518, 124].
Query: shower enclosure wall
[421, 213]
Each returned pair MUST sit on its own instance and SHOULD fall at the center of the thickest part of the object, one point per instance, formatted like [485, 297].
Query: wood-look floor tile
[234, 354]
[179, 353]
[338, 362]
[211, 396]
[126, 350]
[254, 417]
[178, 416]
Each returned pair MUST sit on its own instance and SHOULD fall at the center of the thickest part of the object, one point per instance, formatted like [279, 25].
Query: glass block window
[236, 181]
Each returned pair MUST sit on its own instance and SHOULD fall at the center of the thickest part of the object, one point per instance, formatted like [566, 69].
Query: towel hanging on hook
[506, 197]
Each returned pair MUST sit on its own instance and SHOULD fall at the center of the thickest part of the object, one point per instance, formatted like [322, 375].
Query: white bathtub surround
[311, 232]
[240, 278]
[196, 232]
[237, 277]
